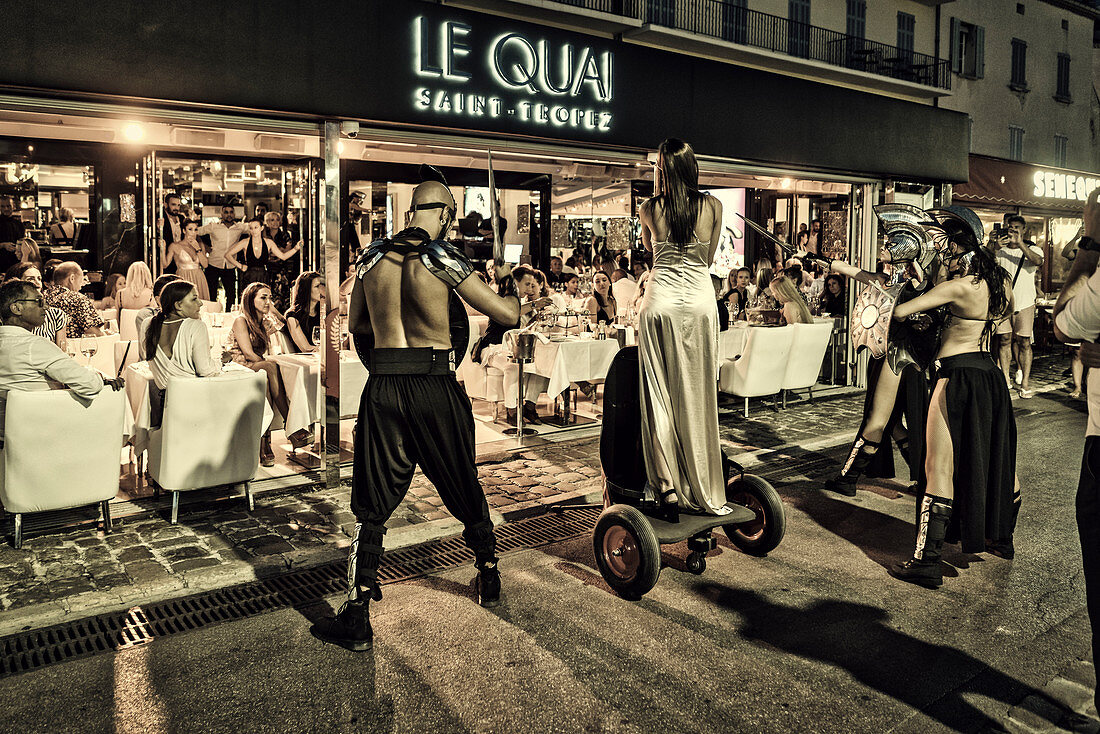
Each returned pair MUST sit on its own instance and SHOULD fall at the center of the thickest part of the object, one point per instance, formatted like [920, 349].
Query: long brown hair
[253, 319]
[170, 297]
[680, 193]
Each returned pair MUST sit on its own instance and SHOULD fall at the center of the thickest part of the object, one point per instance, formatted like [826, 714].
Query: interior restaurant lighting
[133, 131]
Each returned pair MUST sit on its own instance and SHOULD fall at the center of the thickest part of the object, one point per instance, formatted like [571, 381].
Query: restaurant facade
[356, 98]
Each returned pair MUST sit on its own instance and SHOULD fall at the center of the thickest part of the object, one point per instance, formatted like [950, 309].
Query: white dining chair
[807, 352]
[624, 291]
[760, 367]
[127, 324]
[209, 435]
[213, 307]
[60, 452]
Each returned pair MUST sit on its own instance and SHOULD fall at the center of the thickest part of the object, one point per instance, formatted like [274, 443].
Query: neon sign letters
[534, 81]
[1065, 186]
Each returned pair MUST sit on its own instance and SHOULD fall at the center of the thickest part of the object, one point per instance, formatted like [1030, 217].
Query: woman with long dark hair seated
[248, 343]
[304, 314]
[971, 494]
[678, 338]
[177, 337]
[833, 301]
[602, 305]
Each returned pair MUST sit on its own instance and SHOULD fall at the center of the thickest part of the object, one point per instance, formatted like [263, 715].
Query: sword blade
[494, 214]
[767, 235]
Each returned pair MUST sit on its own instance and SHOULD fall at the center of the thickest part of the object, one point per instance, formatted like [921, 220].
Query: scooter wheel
[758, 536]
[696, 563]
[627, 551]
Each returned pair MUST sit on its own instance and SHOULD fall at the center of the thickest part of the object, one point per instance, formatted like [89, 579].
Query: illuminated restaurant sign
[511, 75]
[1063, 186]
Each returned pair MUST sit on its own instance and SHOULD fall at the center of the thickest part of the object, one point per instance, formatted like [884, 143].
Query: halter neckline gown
[678, 351]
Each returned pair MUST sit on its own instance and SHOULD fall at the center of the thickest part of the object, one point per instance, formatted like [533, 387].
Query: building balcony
[719, 29]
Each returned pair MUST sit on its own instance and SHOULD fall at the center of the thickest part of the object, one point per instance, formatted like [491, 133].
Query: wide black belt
[411, 361]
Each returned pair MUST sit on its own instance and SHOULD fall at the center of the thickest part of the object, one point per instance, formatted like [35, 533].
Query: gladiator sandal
[351, 628]
[923, 568]
[858, 459]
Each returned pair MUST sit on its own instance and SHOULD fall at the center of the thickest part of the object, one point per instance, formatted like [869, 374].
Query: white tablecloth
[301, 373]
[138, 377]
[731, 342]
[570, 360]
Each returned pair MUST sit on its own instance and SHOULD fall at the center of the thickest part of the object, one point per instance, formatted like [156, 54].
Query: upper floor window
[906, 31]
[857, 19]
[1015, 143]
[1019, 65]
[798, 28]
[1061, 143]
[1063, 95]
[967, 49]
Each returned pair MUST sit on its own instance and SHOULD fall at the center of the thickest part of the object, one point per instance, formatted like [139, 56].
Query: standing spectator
[282, 272]
[190, 259]
[814, 239]
[1021, 258]
[29, 362]
[352, 237]
[223, 234]
[171, 229]
[260, 210]
[68, 279]
[256, 249]
[138, 292]
[63, 231]
[1077, 318]
[27, 251]
[304, 314]
[11, 231]
[55, 322]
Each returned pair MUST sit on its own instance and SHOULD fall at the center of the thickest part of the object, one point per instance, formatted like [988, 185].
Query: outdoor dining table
[301, 376]
[567, 359]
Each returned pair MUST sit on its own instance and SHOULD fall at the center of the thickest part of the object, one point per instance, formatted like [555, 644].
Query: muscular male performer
[413, 411]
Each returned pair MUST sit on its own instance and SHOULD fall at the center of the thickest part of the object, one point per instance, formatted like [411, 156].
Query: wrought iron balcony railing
[728, 20]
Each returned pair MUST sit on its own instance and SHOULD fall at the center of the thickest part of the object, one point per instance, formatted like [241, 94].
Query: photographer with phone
[1021, 258]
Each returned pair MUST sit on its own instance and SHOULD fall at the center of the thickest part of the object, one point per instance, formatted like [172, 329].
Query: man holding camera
[1021, 259]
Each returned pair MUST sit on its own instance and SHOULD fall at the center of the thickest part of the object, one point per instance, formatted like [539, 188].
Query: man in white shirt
[1020, 258]
[223, 235]
[29, 362]
[1077, 318]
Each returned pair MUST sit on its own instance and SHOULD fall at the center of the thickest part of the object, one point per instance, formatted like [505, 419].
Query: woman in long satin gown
[678, 338]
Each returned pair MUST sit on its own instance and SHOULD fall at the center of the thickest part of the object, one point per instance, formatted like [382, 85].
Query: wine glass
[88, 348]
[316, 336]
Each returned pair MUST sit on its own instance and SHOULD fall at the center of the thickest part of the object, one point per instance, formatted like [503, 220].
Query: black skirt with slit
[983, 437]
[911, 405]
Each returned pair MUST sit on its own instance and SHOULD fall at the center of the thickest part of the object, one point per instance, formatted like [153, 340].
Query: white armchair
[127, 324]
[807, 352]
[760, 367]
[213, 307]
[209, 434]
[60, 453]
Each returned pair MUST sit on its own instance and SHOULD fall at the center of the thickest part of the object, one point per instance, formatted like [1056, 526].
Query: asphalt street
[815, 637]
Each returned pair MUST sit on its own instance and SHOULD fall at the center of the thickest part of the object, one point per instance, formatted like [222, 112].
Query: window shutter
[956, 52]
[979, 52]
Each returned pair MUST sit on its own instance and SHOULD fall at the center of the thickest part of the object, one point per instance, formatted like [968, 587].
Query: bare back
[407, 304]
[708, 224]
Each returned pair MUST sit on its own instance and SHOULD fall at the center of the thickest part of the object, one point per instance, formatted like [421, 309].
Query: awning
[997, 182]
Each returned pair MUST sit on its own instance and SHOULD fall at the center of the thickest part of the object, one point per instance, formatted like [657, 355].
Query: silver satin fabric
[678, 349]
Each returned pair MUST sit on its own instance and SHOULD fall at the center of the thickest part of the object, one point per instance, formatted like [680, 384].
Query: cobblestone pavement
[77, 569]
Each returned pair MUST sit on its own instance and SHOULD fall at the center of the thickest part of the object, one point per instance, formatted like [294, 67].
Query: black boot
[1004, 548]
[350, 628]
[488, 584]
[858, 459]
[924, 567]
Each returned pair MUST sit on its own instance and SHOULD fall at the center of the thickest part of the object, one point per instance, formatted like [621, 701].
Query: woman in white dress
[678, 338]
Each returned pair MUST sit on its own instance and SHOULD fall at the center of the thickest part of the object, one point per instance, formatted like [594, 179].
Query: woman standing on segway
[678, 338]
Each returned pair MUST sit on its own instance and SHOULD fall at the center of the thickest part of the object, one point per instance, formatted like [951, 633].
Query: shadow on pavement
[857, 638]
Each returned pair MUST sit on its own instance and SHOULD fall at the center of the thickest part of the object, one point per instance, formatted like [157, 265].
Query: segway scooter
[629, 534]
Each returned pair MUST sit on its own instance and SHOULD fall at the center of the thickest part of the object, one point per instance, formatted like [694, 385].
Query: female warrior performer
[971, 431]
[897, 384]
[678, 338]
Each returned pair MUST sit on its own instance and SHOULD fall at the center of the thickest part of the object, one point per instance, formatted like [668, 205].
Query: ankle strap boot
[934, 515]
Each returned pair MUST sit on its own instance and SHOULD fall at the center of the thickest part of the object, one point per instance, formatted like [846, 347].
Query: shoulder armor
[370, 256]
[446, 261]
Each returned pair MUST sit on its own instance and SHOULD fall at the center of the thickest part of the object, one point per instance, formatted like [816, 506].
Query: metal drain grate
[26, 651]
